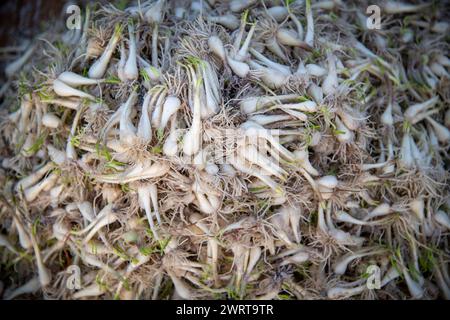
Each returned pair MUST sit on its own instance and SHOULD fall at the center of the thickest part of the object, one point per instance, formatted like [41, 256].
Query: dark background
[21, 19]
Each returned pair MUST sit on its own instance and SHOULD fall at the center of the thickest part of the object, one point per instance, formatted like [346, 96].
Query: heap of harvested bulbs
[243, 149]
